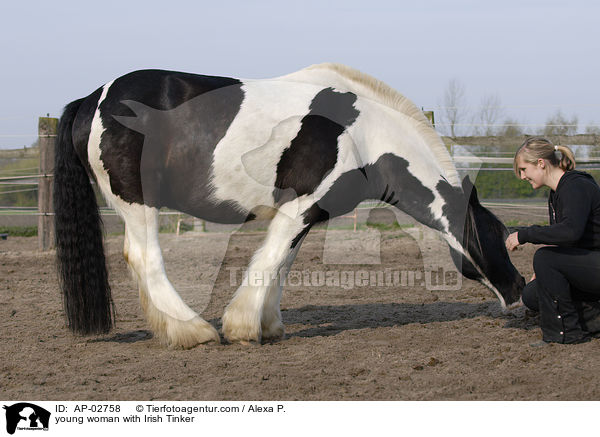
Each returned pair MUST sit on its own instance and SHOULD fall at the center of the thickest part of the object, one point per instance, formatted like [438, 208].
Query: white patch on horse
[245, 161]
[94, 145]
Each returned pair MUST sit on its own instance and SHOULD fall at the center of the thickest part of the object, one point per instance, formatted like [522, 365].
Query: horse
[297, 149]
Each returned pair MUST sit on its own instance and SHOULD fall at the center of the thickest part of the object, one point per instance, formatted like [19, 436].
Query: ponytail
[565, 157]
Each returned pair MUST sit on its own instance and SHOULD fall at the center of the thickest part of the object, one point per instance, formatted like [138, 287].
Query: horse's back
[158, 131]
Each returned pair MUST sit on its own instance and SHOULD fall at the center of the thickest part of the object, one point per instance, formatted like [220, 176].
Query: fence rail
[31, 176]
[33, 211]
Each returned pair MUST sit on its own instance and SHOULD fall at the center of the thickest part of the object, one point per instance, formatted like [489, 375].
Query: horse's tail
[80, 252]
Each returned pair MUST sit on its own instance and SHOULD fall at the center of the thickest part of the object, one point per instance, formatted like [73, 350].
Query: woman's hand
[512, 242]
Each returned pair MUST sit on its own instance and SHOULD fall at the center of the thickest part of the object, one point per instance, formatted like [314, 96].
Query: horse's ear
[470, 190]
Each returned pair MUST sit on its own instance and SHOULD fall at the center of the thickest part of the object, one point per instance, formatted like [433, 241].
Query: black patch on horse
[82, 125]
[387, 179]
[312, 154]
[175, 122]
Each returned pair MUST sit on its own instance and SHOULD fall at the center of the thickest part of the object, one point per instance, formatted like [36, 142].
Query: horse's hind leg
[253, 314]
[170, 318]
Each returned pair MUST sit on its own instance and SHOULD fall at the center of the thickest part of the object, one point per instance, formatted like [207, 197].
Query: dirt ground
[388, 338]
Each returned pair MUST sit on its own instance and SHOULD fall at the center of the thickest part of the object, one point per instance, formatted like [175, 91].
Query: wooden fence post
[430, 117]
[47, 129]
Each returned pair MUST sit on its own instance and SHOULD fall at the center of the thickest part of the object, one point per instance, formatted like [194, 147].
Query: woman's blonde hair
[536, 147]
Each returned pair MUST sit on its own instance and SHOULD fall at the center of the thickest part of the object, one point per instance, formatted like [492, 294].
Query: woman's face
[535, 174]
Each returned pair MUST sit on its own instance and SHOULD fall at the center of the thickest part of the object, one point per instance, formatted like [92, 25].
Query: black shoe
[590, 317]
[543, 343]
[584, 339]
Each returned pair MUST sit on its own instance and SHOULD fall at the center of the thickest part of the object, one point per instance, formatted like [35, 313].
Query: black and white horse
[297, 149]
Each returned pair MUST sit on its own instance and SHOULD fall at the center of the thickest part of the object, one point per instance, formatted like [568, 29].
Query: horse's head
[484, 256]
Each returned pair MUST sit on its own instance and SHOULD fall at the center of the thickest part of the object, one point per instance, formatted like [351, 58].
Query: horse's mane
[386, 95]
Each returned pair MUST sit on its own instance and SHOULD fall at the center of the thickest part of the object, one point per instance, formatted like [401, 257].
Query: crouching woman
[565, 288]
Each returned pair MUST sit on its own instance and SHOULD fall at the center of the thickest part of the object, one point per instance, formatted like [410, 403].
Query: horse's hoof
[241, 335]
[235, 333]
[191, 333]
[248, 343]
[273, 333]
[238, 327]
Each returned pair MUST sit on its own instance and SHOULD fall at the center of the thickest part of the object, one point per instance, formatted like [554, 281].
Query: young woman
[565, 288]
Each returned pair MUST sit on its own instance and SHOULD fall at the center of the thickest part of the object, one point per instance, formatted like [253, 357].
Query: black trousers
[566, 278]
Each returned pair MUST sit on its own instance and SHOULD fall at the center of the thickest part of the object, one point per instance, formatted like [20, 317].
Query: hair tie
[557, 153]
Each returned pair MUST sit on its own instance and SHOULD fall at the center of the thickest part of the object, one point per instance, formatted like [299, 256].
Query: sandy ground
[395, 338]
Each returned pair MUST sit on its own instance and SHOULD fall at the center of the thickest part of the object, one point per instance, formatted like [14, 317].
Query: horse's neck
[404, 171]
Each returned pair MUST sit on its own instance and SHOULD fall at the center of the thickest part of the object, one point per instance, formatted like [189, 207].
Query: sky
[536, 56]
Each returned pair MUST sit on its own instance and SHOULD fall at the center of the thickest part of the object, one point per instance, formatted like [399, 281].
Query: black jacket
[574, 214]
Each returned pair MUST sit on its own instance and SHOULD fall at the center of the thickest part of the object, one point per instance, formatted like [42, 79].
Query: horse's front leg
[253, 314]
[271, 322]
